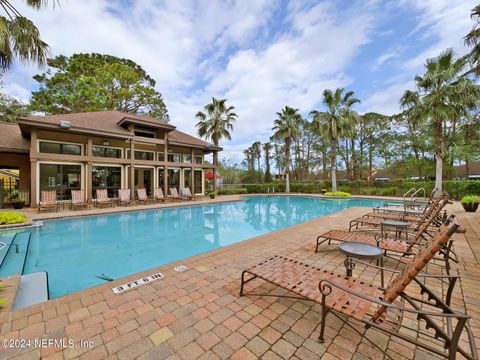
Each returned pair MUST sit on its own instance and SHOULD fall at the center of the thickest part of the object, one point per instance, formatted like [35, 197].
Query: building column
[33, 168]
[192, 159]
[132, 170]
[88, 170]
[165, 182]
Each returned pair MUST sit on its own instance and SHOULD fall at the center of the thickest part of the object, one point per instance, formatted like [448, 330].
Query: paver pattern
[198, 314]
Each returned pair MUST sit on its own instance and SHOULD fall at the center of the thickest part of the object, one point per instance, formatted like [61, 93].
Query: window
[160, 156]
[144, 155]
[106, 177]
[187, 158]
[102, 151]
[144, 134]
[61, 178]
[173, 178]
[161, 177]
[186, 178]
[197, 181]
[198, 159]
[58, 148]
[173, 158]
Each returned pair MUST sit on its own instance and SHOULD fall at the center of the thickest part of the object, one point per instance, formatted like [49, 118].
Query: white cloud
[386, 101]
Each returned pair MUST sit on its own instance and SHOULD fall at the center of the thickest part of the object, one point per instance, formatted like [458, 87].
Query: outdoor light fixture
[105, 142]
[65, 124]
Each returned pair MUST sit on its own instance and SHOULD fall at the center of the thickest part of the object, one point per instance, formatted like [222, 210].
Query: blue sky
[259, 54]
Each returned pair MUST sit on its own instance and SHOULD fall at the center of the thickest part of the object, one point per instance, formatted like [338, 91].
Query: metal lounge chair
[124, 197]
[376, 221]
[102, 198]
[158, 195]
[377, 308]
[174, 194]
[78, 200]
[48, 201]
[142, 196]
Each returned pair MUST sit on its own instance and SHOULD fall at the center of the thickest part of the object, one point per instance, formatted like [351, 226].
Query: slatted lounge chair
[48, 201]
[186, 194]
[413, 223]
[78, 200]
[174, 194]
[102, 198]
[158, 195]
[124, 197]
[383, 309]
[142, 196]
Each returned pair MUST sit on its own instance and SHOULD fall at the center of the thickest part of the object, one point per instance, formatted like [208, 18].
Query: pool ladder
[268, 191]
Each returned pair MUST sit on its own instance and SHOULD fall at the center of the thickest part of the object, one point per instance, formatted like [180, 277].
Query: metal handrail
[408, 192]
[414, 195]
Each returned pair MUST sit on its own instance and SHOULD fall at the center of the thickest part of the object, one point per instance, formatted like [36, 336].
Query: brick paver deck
[198, 313]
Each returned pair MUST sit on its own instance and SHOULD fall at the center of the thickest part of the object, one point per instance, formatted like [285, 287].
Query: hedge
[232, 191]
[11, 217]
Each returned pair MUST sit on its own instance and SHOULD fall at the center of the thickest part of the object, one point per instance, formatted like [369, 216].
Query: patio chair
[48, 201]
[102, 198]
[376, 221]
[158, 195]
[142, 196]
[185, 194]
[174, 194]
[124, 197]
[78, 200]
[382, 309]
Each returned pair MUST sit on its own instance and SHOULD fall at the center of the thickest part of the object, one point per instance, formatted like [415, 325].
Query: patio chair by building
[158, 195]
[186, 194]
[48, 201]
[381, 309]
[102, 198]
[78, 200]
[174, 194]
[142, 196]
[124, 197]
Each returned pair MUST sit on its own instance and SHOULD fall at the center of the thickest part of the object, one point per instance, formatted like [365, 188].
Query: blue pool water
[75, 251]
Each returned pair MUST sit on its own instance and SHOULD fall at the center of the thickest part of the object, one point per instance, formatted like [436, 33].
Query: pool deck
[199, 314]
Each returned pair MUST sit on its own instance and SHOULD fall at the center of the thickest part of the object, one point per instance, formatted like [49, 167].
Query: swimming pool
[75, 251]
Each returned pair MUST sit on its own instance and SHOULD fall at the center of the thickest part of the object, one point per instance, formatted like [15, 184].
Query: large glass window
[173, 178]
[144, 134]
[109, 152]
[161, 177]
[61, 178]
[187, 178]
[58, 148]
[160, 156]
[198, 159]
[144, 155]
[197, 181]
[106, 177]
[173, 158]
[187, 159]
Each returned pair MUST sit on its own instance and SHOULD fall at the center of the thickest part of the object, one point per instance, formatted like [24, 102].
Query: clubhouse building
[110, 149]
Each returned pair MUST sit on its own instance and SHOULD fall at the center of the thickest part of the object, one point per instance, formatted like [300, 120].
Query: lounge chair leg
[242, 284]
[452, 349]
[321, 242]
[321, 338]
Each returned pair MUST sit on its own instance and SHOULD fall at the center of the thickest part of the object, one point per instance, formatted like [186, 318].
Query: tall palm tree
[215, 124]
[287, 128]
[267, 147]
[19, 37]
[257, 153]
[442, 95]
[336, 122]
[473, 39]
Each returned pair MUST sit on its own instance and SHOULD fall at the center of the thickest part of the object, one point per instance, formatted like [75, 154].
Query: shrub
[232, 191]
[11, 217]
[264, 188]
[338, 194]
[470, 199]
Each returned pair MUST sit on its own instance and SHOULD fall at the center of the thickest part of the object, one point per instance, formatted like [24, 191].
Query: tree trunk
[438, 133]
[370, 160]
[287, 165]
[347, 159]
[333, 165]
[215, 162]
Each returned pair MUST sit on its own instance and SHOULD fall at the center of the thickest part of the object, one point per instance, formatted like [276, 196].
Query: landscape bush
[11, 217]
[232, 191]
[338, 194]
[470, 199]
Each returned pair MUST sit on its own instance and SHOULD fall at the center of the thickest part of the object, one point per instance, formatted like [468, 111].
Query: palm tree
[215, 124]
[286, 128]
[267, 147]
[473, 39]
[442, 95]
[337, 122]
[257, 154]
[19, 37]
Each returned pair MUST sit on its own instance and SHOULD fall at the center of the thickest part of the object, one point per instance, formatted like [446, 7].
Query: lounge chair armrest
[326, 287]
[421, 274]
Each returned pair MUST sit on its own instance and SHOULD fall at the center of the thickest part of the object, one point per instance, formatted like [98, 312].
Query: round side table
[361, 251]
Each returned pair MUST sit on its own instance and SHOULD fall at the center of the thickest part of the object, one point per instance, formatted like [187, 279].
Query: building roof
[11, 139]
[473, 167]
[106, 123]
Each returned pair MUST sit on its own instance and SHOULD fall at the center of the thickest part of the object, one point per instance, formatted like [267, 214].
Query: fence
[456, 188]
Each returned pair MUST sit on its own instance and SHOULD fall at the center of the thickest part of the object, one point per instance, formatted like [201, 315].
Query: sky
[258, 54]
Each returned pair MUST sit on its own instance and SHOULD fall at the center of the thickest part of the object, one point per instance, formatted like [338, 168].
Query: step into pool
[82, 252]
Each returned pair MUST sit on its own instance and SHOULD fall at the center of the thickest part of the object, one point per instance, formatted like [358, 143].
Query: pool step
[33, 289]
[14, 260]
